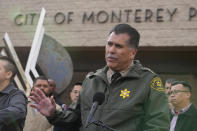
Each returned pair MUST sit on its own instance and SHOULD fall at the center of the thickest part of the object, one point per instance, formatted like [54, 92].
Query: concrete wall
[161, 23]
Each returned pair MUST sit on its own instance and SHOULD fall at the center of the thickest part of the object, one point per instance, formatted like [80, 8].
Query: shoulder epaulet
[90, 75]
[148, 69]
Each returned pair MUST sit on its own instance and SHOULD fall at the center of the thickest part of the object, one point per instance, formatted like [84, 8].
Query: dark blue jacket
[13, 109]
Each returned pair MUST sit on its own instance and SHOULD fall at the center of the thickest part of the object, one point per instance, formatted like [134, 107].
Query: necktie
[115, 76]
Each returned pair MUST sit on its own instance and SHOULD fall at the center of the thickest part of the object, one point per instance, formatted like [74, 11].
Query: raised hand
[46, 106]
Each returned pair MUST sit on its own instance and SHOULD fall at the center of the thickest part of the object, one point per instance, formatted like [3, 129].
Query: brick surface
[176, 32]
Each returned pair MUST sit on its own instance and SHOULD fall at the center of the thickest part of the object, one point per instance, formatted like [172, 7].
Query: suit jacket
[187, 121]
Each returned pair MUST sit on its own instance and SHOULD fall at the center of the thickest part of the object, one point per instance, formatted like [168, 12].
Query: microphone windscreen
[99, 97]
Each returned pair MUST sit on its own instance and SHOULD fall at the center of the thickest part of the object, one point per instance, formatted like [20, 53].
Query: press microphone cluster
[98, 99]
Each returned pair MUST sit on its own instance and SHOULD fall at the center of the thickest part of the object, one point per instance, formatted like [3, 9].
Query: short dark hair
[10, 66]
[76, 84]
[185, 84]
[132, 32]
[40, 78]
[170, 80]
[51, 80]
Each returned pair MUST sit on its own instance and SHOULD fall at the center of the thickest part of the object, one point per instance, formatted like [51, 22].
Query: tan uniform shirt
[36, 121]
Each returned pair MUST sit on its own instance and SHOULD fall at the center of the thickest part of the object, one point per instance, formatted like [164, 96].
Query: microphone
[98, 99]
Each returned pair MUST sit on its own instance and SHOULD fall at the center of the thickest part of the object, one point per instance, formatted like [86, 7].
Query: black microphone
[98, 99]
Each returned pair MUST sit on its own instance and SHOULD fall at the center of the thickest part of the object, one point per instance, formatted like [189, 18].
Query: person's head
[74, 93]
[121, 47]
[168, 85]
[42, 83]
[7, 69]
[180, 94]
[169, 103]
[52, 86]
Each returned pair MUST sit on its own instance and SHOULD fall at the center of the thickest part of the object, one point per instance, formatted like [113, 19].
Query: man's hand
[43, 104]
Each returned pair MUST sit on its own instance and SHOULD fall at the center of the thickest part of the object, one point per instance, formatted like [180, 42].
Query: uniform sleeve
[68, 118]
[16, 110]
[156, 108]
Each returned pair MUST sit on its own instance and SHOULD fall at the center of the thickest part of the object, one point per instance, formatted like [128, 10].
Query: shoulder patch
[156, 84]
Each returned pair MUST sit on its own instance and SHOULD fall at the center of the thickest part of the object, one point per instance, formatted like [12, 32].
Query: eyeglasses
[174, 92]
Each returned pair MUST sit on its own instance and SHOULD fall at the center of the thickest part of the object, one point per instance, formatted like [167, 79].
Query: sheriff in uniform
[134, 95]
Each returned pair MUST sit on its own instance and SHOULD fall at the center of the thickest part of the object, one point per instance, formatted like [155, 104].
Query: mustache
[112, 56]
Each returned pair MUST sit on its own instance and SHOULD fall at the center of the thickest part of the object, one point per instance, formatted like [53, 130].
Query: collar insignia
[125, 93]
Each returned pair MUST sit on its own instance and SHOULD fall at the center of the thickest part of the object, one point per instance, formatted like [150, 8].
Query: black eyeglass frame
[174, 92]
